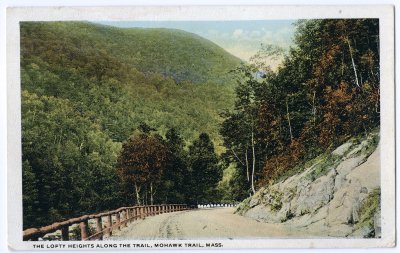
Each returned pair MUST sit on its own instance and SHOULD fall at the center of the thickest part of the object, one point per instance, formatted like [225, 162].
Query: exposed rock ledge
[325, 199]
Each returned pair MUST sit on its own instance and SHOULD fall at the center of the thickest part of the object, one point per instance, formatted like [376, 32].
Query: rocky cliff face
[337, 195]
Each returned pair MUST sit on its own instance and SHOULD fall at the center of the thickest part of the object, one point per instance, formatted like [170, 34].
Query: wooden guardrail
[213, 205]
[122, 216]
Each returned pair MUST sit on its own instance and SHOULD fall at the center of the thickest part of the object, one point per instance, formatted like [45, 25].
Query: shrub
[369, 207]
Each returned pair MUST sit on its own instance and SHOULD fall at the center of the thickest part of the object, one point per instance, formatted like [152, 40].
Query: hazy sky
[240, 38]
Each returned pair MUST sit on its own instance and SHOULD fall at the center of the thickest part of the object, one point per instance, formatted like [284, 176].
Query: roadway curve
[201, 223]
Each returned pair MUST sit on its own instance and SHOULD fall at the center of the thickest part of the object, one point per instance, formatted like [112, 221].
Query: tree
[141, 164]
[240, 127]
[175, 179]
[205, 171]
[326, 90]
[68, 162]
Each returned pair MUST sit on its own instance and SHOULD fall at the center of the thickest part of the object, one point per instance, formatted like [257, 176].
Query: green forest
[132, 116]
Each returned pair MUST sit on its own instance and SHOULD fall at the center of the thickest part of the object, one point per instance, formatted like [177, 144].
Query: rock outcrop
[327, 198]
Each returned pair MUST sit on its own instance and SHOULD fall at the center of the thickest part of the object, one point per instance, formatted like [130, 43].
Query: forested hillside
[124, 77]
[325, 92]
[88, 88]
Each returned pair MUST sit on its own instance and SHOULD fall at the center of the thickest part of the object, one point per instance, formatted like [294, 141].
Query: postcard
[200, 127]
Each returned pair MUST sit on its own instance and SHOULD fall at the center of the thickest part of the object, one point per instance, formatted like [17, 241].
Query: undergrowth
[243, 207]
[368, 209]
[326, 160]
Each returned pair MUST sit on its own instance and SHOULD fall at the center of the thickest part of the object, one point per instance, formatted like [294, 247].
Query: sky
[240, 38]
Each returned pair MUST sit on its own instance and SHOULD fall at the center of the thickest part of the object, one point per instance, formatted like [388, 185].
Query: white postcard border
[384, 13]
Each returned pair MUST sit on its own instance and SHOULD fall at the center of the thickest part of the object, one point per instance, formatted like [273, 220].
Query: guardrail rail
[122, 216]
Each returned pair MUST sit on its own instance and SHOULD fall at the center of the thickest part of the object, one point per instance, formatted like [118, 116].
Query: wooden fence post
[127, 215]
[123, 218]
[142, 214]
[99, 226]
[109, 225]
[118, 222]
[84, 230]
[65, 233]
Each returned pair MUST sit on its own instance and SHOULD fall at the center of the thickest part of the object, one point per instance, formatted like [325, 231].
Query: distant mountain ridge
[122, 77]
[174, 53]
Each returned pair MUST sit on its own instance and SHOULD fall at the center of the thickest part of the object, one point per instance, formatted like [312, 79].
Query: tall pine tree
[205, 171]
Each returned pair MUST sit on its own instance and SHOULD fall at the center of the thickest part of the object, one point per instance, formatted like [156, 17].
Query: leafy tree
[175, 179]
[69, 164]
[29, 193]
[141, 164]
[205, 171]
[241, 127]
[326, 90]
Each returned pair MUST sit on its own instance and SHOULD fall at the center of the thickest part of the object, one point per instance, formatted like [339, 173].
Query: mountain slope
[120, 78]
[178, 54]
[338, 195]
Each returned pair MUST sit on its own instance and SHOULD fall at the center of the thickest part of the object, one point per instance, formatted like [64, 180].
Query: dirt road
[201, 223]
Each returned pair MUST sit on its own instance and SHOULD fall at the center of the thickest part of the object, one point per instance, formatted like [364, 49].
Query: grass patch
[291, 172]
[319, 160]
[275, 200]
[327, 162]
[368, 209]
[243, 207]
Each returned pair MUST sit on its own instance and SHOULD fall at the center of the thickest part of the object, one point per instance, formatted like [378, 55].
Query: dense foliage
[120, 78]
[87, 88]
[205, 172]
[114, 117]
[61, 150]
[141, 164]
[326, 90]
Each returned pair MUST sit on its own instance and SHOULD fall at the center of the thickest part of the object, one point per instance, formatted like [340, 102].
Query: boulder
[341, 150]
[254, 202]
[329, 204]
